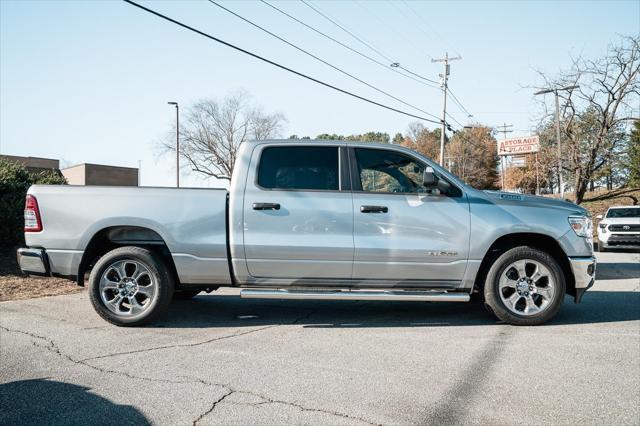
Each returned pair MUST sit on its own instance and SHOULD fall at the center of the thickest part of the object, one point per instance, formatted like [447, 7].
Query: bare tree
[594, 116]
[212, 132]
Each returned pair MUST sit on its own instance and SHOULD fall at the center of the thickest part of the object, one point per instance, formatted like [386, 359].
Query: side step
[398, 295]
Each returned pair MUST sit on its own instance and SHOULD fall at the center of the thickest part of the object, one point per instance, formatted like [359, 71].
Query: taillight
[32, 221]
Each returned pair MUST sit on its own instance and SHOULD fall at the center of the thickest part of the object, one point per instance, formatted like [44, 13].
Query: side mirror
[599, 217]
[429, 178]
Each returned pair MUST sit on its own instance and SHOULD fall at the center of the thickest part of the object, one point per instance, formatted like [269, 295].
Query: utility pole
[504, 129]
[555, 92]
[177, 143]
[445, 81]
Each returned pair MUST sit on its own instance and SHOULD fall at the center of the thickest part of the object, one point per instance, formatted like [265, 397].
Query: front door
[298, 214]
[402, 231]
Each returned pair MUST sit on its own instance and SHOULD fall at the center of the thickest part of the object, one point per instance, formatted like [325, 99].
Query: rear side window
[299, 167]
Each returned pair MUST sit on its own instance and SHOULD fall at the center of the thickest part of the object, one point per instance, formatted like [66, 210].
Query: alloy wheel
[526, 287]
[127, 287]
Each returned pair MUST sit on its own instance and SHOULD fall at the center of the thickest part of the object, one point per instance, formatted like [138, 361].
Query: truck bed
[191, 222]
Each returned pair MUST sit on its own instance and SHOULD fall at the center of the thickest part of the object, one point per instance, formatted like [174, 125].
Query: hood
[512, 198]
[621, 220]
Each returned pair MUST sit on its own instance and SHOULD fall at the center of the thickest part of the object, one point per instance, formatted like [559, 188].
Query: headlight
[582, 226]
[603, 227]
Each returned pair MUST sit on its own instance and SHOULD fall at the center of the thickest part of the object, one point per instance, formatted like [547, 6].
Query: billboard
[519, 146]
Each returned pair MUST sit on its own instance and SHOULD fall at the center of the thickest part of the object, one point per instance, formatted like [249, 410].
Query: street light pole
[177, 143]
[555, 92]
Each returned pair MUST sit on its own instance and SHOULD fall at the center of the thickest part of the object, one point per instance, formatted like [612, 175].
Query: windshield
[624, 212]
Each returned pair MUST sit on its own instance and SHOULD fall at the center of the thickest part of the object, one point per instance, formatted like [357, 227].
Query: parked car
[326, 220]
[619, 228]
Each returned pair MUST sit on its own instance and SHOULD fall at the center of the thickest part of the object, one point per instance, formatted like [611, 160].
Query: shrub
[15, 180]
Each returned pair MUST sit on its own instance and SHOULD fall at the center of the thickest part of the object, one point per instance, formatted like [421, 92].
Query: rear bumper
[49, 263]
[584, 272]
[34, 262]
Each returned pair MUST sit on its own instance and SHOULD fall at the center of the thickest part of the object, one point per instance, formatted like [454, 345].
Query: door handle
[374, 209]
[266, 206]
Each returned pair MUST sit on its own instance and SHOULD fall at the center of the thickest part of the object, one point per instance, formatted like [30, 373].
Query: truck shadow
[207, 311]
[44, 401]
[223, 310]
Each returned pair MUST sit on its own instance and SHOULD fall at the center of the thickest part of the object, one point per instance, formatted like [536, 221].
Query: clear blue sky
[89, 81]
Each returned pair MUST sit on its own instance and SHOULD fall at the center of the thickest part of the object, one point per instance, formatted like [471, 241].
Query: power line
[315, 80]
[396, 64]
[393, 3]
[364, 55]
[319, 59]
[333, 21]
[504, 129]
[319, 12]
[417, 15]
[455, 99]
[392, 28]
[456, 121]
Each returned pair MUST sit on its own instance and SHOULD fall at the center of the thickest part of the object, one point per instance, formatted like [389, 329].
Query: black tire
[601, 248]
[157, 270]
[499, 267]
[185, 294]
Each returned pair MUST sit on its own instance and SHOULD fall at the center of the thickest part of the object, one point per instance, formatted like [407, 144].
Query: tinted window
[387, 171]
[299, 167]
[623, 213]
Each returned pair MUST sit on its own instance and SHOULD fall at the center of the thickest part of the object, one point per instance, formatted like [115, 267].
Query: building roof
[99, 165]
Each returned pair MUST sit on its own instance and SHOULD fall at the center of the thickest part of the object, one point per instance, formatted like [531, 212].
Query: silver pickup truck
[327, 220]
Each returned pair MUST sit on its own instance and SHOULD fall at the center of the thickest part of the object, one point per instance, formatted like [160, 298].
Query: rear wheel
[525, 286]
[130, 286]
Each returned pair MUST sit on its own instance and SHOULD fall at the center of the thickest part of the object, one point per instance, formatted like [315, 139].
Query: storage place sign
[518, 146]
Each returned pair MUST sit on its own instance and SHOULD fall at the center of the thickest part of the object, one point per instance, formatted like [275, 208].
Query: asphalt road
[221, 360]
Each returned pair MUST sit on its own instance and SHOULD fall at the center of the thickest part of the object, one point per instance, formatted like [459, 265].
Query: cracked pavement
[217, 359]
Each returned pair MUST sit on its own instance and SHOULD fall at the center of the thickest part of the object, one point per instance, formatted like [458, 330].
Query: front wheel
[130, 286]
[525, 286]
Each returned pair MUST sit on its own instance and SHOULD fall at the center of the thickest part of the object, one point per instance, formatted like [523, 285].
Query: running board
[405, 296]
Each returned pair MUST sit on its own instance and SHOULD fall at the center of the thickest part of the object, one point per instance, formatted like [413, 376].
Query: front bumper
[584, 272]
[623, 241]
[34, 262]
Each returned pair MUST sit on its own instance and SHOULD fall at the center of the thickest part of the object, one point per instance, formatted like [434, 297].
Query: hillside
[598, 202]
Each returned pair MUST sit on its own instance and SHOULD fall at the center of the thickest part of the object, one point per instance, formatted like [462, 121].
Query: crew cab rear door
[402, 232]
[298, 213]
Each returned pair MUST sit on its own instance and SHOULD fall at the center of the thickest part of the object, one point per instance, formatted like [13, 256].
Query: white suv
[619, 228]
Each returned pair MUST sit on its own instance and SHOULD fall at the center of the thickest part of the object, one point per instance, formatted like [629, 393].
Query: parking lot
[217, 359]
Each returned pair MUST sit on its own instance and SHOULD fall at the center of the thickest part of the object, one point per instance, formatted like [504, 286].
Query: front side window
[299, 167]
[388, 171]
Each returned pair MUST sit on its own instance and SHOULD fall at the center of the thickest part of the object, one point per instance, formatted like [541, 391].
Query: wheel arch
[112, 237]
[535, 240]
